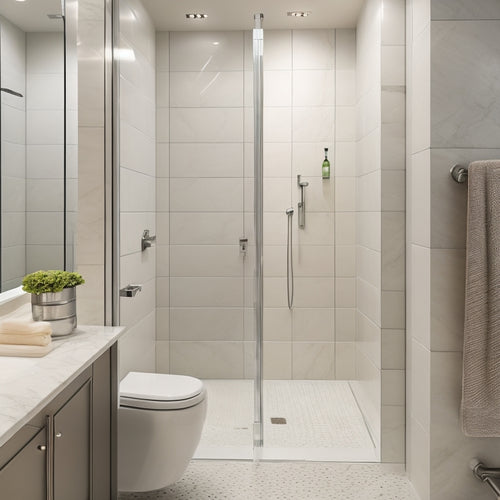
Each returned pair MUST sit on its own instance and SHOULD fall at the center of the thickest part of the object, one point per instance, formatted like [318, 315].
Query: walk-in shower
[265, 278]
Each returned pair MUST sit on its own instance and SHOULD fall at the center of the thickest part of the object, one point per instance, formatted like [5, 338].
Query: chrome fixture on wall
[302, 203]
[459, 173]
[130, 290]
[147, 240]
[488, 475]
[289, 258]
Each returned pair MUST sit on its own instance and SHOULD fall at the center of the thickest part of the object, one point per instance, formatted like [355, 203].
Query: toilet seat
[160, 391]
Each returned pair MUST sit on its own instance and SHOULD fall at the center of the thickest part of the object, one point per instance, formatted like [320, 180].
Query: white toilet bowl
[160, 420]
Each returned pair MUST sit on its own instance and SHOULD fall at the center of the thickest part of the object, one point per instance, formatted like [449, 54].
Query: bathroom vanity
[58, 420]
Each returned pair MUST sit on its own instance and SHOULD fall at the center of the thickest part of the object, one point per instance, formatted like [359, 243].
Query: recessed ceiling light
[20, 0]
[299, 13]
[196, 15]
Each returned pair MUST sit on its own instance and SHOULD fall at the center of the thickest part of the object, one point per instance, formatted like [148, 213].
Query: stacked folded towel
[20, 337]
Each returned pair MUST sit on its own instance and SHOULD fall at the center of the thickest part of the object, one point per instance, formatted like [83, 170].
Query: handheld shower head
[289, 211]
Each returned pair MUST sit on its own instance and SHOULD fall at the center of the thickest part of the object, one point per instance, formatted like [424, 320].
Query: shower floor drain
[278, 420]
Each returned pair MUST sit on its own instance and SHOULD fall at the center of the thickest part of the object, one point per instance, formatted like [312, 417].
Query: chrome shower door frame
[258, 109]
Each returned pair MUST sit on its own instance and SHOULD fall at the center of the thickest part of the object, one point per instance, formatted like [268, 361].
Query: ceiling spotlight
[196, 15]
[299, 13]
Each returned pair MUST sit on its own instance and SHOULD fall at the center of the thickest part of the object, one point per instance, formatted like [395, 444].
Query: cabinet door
[72, 448]
[24, 477]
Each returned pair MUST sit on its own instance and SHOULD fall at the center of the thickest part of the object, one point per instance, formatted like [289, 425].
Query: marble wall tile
[459, 117]
[461, 9]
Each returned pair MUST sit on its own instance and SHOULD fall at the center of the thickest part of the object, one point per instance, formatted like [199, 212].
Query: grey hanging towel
[481, 364]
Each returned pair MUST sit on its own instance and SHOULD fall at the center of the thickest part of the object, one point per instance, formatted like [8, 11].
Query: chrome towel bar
[459, 173]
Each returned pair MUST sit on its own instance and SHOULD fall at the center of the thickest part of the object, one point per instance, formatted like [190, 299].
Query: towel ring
[459, 173]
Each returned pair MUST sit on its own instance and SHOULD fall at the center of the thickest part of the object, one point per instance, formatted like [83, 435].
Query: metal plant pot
[58, 308]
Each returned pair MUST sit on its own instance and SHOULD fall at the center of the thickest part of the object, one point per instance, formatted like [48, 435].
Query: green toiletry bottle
[325, 168]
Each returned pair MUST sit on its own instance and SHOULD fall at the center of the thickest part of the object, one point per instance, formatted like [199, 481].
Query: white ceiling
[31, 15]
[170, 15]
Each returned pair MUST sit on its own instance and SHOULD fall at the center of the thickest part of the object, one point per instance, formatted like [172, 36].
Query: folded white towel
[39, 339]
[22, 327]
[26, 351]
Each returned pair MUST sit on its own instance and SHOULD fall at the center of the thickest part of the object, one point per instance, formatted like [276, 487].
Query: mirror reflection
[38, 132]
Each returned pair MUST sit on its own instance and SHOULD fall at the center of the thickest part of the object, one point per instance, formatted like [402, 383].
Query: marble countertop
[28, 384]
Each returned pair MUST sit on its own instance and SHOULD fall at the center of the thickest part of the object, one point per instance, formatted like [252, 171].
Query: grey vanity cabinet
[68, 451]
[24, 475]
[72, 447]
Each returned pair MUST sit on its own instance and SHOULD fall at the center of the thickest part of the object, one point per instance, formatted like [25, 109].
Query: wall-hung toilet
[160, 420]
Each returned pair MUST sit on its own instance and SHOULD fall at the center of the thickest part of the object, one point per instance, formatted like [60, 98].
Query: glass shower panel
[209, 240]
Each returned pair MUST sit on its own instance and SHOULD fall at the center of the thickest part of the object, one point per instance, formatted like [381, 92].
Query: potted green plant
[53, 298]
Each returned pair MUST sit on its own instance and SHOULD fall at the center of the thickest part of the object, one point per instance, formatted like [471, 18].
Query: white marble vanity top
[28, 384]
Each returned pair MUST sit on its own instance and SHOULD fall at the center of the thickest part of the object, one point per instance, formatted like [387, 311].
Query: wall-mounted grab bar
[459, 173]
[289, 257]
[490, 476]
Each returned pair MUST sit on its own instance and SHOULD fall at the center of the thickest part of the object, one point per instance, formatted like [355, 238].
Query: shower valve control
[243, 245]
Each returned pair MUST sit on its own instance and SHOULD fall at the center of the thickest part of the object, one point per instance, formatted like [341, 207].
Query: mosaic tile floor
[319, 414]
[219, 480]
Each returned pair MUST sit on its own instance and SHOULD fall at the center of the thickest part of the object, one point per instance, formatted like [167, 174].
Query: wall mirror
[38, 137]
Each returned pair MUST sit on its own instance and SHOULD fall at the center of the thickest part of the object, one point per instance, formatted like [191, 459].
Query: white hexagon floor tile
[232, 480]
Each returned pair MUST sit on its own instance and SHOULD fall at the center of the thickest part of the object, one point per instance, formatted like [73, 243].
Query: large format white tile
[206, 323]
[206, 89]
[44, 228]
[45, 126]
[136, 191]
[45, 52]
[206, 51]
[313, 49]
[206, 260]
[45, 91]
[277, 360]
[313, 360]
[44, 195]
[199, 195]
[206, 292]
[314, 292]
[277, 324]
[313, 325]
[314, 124]
[345, 49]
[314, 88]
[277, 88]
[420, 311]
[137, 150]
[206, 124]
[447, 299]
[207, 359]
[205, 228]
[206, 160]
[313, 260]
